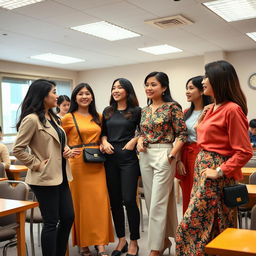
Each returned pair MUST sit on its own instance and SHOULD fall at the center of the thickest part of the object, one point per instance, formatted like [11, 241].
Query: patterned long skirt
[206, 216]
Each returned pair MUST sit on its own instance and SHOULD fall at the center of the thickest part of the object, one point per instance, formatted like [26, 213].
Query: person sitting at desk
[252, 132]
[4, 153]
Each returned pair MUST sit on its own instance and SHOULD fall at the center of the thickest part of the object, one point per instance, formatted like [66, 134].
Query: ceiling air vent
[168, 22]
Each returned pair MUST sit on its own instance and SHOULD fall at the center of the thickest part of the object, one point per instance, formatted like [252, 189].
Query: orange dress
[93, 224]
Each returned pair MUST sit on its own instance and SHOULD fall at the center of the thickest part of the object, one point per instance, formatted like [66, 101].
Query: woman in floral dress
[161, 123]
[223, 138]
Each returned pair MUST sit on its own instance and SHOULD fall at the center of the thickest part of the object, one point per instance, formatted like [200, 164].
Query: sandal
[86, 252]
[100, 253]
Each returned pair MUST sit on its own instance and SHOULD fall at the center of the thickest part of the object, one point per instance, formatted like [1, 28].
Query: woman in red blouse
[161, 123]
[222, 136]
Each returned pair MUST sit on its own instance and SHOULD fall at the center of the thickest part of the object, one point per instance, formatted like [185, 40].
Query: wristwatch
[171, 156]
[219, 172]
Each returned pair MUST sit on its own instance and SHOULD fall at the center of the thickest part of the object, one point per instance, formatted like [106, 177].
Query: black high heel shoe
[128, 254]
[123, 250]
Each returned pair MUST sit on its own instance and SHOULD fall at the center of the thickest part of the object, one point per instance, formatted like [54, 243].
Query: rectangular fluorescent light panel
[233, 10]
[106, 31]
[61, 59]
[160, 49]
[252, 35]
[13, 4]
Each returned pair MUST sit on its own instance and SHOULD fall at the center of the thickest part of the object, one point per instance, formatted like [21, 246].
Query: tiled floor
[73, 251]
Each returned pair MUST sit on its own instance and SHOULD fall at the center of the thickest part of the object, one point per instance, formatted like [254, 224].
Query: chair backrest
[252, 178]
[2, 171]
[17, 190]
[253, 218]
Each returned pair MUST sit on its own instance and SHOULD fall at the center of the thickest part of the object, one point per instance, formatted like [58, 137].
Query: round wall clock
[252, 81]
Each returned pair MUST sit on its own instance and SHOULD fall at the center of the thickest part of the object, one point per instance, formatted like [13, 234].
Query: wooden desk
[233, 242]
[251, 190]
[247, 171]
[8, 206]
[14, 171]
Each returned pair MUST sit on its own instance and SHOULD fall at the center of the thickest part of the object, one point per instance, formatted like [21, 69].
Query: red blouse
[225, 131]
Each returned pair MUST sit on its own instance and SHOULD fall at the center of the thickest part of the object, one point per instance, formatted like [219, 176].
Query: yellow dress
[93, 224]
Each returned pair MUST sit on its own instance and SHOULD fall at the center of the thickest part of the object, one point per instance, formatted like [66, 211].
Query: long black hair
[92, 107]
[163, 79]
[131, 99]
[60, 100]
[225, 83]
[34, 101]
[197, 82]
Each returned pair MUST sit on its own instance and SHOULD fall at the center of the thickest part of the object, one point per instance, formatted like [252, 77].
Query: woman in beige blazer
[49, 172]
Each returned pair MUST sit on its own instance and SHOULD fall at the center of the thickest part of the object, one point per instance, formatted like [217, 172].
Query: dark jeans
[122, 170]
[56, 206]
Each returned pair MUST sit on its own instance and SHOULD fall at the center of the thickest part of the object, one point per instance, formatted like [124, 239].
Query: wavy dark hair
[34, 101]
[206, 100]
[60, 100]
[225, 83]
[131, 99]
[163, 79]
[92, 107]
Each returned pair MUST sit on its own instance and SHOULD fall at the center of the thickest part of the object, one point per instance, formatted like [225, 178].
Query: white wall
[245, 64]
[178, 70]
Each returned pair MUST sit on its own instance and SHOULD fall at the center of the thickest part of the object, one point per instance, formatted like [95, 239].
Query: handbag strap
[80, 136]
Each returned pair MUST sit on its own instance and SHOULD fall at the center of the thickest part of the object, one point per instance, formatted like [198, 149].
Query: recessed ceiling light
[252, 35]
[233, 10]
[106, 31]
[13, 4]
[160, 49]
[61, 59]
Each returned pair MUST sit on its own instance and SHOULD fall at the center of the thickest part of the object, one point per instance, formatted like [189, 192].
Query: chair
[8, 223]
[245, 210]
[2, 171]
[253, 218]
[141, 196]
[22, 174]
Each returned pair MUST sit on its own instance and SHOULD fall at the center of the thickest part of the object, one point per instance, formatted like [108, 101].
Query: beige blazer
[45, 145]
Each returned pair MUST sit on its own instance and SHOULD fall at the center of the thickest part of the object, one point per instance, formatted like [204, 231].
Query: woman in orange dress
[92, 225]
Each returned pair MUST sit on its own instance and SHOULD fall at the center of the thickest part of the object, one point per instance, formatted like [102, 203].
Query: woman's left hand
[129, 145]
[70, 153]
[210, 173]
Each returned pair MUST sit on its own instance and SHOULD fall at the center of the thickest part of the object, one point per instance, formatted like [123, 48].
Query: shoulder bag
[91, 155]
[235, 195]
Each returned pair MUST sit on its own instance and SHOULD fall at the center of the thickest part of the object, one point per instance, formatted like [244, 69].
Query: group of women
[205, 148]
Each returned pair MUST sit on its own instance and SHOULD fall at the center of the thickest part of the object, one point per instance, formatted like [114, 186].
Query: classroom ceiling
[45, 27]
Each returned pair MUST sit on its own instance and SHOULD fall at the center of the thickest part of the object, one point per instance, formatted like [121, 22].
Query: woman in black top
[120, 121]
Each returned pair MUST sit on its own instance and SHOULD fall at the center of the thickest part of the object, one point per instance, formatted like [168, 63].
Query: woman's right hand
[43, 164]
[108, 148]
[181, 168]
[140, 145]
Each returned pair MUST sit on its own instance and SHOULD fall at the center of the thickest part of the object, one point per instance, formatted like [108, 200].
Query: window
[13, 91]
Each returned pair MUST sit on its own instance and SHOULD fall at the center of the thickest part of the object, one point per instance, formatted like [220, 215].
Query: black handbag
[235, 195]
[90, 155]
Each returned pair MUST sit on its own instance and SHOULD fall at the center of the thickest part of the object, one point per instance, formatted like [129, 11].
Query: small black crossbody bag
[91, 155]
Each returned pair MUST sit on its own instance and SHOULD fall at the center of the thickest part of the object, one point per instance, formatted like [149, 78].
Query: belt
[84, 145]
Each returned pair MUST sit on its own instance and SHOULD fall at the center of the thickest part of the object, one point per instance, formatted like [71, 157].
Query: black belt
[84, 145]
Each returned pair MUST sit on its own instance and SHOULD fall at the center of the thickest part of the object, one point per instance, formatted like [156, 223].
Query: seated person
[252, 132]
[4, 153]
